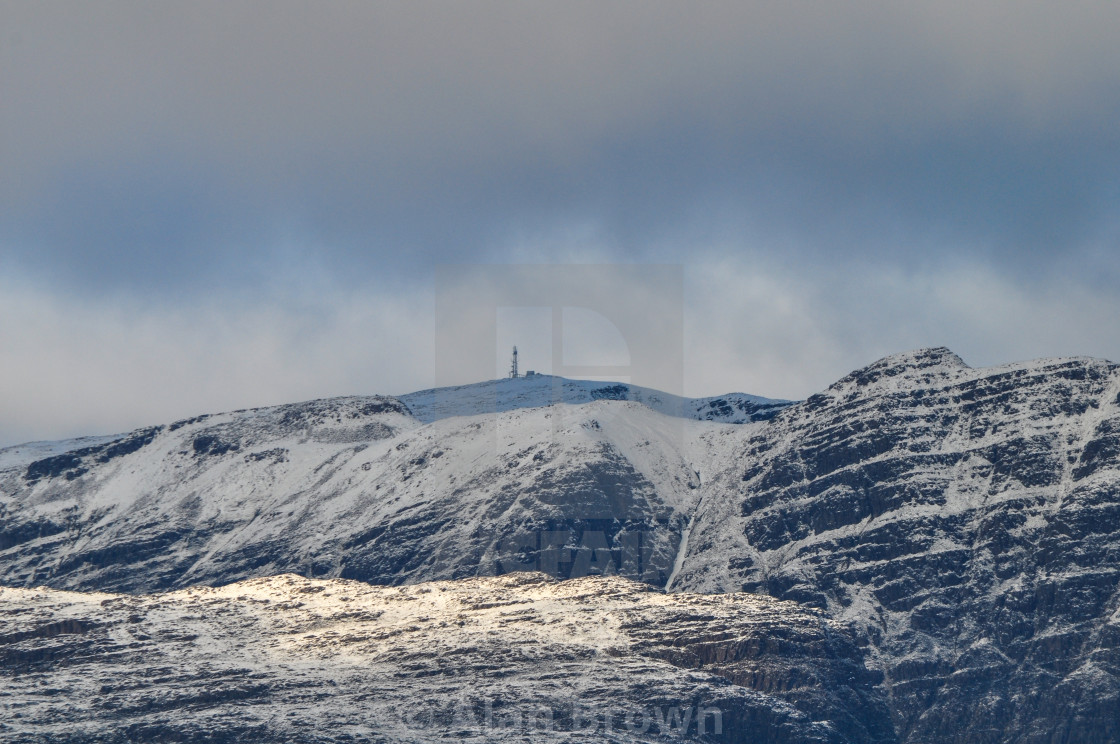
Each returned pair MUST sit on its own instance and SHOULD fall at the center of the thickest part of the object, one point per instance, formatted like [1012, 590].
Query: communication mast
[513, 365]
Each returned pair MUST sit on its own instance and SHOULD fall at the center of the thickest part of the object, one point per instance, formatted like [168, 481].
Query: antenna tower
[513, 365]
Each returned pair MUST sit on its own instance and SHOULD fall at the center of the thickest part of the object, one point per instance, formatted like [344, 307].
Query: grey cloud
[73, 366]
[835, 173]
[761, 327]
[165, 142]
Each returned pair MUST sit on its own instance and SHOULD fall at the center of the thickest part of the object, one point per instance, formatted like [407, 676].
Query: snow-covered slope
[515, 659]
[23, 455]
[358, 488]
[496, 396]
[966, 521]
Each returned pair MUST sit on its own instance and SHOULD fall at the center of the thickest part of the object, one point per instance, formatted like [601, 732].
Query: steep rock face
[966, 521]
[356, 488]
[509, 659]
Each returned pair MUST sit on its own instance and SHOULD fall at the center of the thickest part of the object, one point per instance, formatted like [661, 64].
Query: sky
[215, 205]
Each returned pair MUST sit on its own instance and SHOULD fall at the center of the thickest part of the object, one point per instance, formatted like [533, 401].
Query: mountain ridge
[489, 396]
[966, 521]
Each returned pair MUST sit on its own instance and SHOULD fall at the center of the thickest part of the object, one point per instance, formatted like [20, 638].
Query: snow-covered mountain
[360, 488]
[25, 454]
[512, 659]
[962, 524]
[965, 521]
[497, 396]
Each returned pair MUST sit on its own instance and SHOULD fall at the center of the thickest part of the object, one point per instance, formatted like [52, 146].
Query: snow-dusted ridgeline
[360, 488]
[497, 396]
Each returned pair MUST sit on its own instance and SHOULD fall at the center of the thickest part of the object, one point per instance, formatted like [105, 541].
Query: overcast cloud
[211, 205]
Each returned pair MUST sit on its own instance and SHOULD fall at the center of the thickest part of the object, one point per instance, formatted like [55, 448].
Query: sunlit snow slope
[513, 659]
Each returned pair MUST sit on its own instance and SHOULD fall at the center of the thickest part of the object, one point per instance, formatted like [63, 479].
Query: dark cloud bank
[838, 182]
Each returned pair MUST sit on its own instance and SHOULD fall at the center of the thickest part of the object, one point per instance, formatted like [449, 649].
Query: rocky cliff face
[966, 522]
[509, 659]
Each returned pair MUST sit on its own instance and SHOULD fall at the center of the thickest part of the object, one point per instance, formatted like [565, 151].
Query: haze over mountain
[209, 206]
